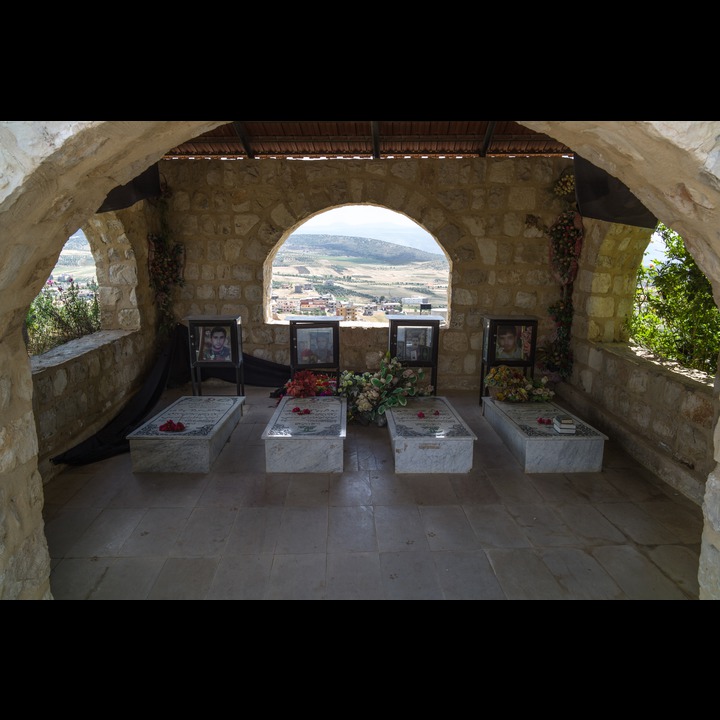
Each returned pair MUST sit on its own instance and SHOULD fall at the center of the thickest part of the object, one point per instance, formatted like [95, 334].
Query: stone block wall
[663, 417]
[233, 216]
[82, 385]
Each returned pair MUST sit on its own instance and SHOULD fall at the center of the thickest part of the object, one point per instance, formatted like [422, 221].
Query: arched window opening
[674, 313]
[67, 306]
[361, 263]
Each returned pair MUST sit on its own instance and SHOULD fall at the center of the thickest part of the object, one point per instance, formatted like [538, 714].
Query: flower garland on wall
[166, 263]
[566, 240]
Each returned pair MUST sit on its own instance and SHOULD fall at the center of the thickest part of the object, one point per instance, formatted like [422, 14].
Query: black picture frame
[201, 329]
[314, 345]
[414, 341]
[508, 341]
[204, 352]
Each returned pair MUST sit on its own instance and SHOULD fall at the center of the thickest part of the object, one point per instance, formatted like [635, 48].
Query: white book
[565, 429]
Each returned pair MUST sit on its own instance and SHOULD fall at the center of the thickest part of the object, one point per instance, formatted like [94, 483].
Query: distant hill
[367, 249]
[78, 241]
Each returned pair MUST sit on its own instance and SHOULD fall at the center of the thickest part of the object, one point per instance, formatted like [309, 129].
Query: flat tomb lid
[525, 415]
[439, 420]
[326, 416]
[201, 416]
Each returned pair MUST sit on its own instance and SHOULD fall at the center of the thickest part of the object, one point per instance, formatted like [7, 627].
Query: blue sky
[371, 222]
[655, 250]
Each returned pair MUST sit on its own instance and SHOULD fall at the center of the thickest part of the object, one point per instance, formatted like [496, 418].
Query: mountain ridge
[355, 246]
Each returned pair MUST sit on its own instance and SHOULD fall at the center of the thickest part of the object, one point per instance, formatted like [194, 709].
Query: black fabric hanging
[145, 185]
[111, 440]
[257, 372]
[172, 369]
[601, 196]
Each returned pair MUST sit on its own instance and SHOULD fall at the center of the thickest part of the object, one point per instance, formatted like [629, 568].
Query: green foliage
[555, 355]
[55, 318]
[566, 240]
[371, 394]
[166, 262]
[675, 314]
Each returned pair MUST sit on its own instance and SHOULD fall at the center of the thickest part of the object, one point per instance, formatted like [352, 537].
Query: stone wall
[82, 385]
[661, 416]
[233, 216]
[58, 172]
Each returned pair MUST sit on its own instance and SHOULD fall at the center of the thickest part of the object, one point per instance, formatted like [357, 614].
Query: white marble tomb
[309, 440]
[209, 422]
[439, 442]
[540, 448]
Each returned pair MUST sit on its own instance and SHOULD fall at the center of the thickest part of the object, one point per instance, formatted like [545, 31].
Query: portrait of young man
[509, 345]
[218, 350]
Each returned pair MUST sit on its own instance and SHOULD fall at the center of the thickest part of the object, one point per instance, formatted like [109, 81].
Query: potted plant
[510, 384]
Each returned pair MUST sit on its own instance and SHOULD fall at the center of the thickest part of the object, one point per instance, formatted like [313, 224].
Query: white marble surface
[439, 442]
[540, 448]
[310, 441]
[209, 422]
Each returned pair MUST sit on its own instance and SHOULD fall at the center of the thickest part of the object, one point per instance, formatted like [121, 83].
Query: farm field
[361, 280]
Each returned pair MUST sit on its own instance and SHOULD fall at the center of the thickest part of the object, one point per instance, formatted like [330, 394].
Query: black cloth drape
[145, 185]
[601, 196]
[172, 369]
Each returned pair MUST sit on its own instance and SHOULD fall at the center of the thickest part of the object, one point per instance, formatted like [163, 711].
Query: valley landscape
[358, 270]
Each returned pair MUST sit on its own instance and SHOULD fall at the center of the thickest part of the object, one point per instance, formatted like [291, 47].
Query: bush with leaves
[59, 314]
[675, 314]
[370, 394]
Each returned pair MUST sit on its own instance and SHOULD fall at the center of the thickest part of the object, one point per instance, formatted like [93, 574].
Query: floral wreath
[566, 240]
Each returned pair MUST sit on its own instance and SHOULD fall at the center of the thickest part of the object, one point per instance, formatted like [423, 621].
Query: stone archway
[57, 173]
[268, 265]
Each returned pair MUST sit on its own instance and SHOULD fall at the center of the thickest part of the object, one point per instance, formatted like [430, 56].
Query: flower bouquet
[306, 383]
[509, 384]
[370, 394]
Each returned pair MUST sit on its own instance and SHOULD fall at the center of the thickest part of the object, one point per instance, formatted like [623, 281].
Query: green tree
[675, 314]
[59, 314]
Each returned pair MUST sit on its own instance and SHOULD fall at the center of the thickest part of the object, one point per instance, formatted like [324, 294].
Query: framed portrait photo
[414, 341]
[508, 341]
[314, 344]
[214, 341]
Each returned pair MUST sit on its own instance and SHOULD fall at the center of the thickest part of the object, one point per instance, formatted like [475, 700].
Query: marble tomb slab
[439, 442]
[310, 441]
[209, 422]
[540, 448]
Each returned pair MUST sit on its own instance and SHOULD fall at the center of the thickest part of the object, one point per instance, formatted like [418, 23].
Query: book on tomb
[564, 420]
[564, 428]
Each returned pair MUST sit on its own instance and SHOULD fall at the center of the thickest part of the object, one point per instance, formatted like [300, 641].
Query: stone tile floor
[494, 533]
